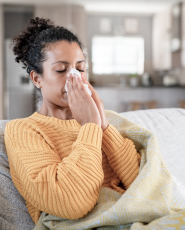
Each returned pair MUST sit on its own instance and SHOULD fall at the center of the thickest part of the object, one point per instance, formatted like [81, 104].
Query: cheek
[55, 80]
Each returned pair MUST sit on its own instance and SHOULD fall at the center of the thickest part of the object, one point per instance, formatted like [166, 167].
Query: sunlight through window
[117, 55]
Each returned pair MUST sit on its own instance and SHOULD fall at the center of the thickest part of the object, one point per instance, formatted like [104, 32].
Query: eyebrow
[65, 62]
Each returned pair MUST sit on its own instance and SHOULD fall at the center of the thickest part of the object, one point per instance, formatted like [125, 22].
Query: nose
[69, 70]
[67, 73]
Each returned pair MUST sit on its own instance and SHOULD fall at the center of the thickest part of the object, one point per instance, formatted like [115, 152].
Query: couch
[167, 124]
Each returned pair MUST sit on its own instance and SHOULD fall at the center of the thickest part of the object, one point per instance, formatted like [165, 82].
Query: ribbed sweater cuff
[91, 133]
[112, 139]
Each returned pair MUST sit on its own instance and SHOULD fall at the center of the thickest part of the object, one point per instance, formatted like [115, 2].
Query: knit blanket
[153, 201]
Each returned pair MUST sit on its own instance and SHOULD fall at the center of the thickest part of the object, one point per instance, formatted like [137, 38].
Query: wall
[71, 16]
[145, 31]
[183, 35]
[163, 58]
[161, 40]
[1, 62]
[15, 21]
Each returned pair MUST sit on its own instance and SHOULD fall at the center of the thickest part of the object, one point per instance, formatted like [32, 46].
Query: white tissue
[75, 71]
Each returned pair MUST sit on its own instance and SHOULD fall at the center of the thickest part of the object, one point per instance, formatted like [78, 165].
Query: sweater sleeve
[122, 155]
[68, 188]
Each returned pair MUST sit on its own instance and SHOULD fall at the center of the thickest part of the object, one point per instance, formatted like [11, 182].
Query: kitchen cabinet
[119, 99]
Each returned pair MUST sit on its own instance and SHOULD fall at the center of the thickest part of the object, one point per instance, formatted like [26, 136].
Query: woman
[62, 155]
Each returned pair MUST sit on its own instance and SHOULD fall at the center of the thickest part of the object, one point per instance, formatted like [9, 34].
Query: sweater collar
[65, 123]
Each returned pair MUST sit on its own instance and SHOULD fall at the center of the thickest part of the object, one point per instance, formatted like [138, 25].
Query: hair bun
[25, 40]
[40, 23]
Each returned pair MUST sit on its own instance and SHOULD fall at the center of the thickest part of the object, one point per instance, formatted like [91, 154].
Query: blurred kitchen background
[136, 51]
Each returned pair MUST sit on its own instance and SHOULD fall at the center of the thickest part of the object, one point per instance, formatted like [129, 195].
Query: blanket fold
[151, 198]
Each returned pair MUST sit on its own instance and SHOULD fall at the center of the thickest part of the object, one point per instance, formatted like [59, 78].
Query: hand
[81, 104]
[99, 104]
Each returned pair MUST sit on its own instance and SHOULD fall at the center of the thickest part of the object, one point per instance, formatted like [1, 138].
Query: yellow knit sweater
[59, 166]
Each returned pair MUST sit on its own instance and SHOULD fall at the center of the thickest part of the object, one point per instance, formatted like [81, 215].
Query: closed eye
[61, 71]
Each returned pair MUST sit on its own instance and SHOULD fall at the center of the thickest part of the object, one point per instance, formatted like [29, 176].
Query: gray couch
[167, 124]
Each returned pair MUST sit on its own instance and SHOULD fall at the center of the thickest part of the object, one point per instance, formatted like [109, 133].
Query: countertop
[121, 87]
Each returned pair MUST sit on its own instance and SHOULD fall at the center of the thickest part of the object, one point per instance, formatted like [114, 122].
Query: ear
[36, 79]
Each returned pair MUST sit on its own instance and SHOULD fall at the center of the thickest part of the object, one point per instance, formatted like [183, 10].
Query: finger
[84, 78]
[70, 90]
[80, 88]
[95, 95]
[77, 89]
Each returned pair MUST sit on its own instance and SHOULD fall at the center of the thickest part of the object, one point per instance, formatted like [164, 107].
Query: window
[118, 55]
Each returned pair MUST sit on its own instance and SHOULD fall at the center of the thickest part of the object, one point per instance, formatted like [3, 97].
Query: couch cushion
[169, 127]
[13, 212]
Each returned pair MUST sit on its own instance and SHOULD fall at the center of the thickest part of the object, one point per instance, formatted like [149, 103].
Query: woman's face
[61, 57]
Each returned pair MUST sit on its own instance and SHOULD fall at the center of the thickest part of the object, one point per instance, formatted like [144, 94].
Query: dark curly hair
[29, 46]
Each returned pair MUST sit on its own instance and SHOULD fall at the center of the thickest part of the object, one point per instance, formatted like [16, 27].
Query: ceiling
[122, 6]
